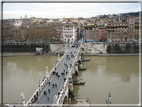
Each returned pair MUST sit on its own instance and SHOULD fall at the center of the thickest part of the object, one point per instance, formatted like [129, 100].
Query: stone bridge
[56, 88]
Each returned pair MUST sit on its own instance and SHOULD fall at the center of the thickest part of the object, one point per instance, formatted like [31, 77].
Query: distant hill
[131, 14]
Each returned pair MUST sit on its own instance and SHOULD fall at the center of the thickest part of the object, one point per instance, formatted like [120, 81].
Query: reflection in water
[119, 75]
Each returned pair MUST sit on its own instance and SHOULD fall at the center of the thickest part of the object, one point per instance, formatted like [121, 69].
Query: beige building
[89, 31]
[137, 30]
[19, 34]
[36, 33]
[39, 33]
[59, 29]
[131, 23]
[117, 31]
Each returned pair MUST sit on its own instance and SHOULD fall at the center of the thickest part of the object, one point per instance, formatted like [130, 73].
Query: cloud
[51, 10]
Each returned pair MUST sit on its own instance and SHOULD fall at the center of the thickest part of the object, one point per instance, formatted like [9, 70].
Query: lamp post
[109, 97]
[39, 82]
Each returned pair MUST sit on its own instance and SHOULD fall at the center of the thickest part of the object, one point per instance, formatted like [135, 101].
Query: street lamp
[39, 82]
[107, 100]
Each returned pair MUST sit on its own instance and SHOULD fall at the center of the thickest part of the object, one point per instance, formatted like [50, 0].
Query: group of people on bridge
[56, 73]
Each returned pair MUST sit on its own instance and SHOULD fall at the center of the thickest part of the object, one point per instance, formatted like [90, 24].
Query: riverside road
[43, 98]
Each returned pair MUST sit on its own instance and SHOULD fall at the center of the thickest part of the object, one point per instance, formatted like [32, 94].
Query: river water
[119, 75]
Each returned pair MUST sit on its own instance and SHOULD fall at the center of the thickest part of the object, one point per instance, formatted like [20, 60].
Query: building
[59, 29]
[39, 33]
[89, 32]
[117, 31]
[7, 32]
[137, 31]
[131, 23]
[69, 32]
[102, 34]
[36, 33]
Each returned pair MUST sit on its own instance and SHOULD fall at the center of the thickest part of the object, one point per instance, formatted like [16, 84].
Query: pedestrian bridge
[57, 86]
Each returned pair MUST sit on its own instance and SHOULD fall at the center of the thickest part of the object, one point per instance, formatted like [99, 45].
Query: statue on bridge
[46, 72]
[55, 99]
[22, 98]
[58, 57]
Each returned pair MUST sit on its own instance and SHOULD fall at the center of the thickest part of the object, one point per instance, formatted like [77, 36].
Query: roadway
[55, 80]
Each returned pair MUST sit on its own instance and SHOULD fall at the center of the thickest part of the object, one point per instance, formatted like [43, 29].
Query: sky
[67, 10]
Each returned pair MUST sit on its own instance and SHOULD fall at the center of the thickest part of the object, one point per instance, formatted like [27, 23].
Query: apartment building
[19, 34]
[69, 32]
[7, 32]
[89, 32]
[117, 31]
[102, 33]
[35, 33]
[131, 26]
[59, 29]
[39, 33]
[136, 31]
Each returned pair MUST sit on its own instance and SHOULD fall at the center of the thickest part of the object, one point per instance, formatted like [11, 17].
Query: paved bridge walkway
[54, 79]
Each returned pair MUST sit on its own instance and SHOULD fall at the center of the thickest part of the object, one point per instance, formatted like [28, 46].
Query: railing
[46, 79]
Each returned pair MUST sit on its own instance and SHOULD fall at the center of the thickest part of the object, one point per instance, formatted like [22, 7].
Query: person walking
[56, 85]
[49, 90]
[48, 98]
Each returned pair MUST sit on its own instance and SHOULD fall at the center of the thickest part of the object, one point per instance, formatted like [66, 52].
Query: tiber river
[117, 74]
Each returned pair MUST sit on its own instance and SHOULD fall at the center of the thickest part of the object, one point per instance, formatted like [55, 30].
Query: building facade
[117, 31]
[7, 32]
[102, 34]
[89, 31]
[36, 33]
[69, 33]
[131, 26]
[136, 31]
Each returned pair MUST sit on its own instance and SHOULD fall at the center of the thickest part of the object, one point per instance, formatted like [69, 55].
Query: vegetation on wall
[125, 48]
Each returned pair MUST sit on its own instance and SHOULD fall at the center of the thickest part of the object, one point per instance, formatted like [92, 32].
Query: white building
[69, 33]
[18, 23]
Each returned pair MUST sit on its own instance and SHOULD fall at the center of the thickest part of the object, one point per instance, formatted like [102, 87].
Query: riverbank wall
[12, 54]
[136, 54]
[30, 47]
[122, 48]
[24, 47]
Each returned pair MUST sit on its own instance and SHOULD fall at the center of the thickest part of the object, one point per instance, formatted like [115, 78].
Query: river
[117, 74]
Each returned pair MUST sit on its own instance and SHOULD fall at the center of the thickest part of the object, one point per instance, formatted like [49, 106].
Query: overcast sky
[60, 10]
